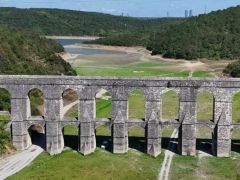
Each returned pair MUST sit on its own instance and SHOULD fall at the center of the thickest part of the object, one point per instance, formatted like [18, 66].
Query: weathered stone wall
[153, 88]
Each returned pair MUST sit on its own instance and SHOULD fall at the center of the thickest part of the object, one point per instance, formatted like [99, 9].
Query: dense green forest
[213, 36]
[28, 53]
[68, 22]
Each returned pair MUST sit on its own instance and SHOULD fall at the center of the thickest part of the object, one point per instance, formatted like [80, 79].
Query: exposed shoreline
[141, 50]
[73, 37]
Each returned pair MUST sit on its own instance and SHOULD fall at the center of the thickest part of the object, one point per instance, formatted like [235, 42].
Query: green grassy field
[138, 72]
[139, 69]
[99, 165]
[4, 117]
[205, 168]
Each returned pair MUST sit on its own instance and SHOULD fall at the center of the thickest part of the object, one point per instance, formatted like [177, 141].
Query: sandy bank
[68, 56]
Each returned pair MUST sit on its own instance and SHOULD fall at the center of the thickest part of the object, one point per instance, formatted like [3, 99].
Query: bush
[233, 69]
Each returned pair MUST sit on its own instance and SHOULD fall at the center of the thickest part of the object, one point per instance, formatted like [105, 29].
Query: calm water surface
[85, 51]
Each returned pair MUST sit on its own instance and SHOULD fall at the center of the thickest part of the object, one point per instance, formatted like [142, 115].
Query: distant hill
[213, 36]
[68, 22]
[28, 53]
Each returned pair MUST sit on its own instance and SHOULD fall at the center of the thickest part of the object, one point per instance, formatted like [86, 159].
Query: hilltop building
[186, 13]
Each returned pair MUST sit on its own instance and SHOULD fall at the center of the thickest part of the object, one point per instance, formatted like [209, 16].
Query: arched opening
[103, 104]
[235, 144]
[170, 106]
[236, 108]
[204, 140]
[36, 98]
[205, 113]
[236, 119]
[170, 112]
[103, 138]
[5, 117]
[37, 135]
[71, 136]
[70, 103]
[103, 100]
[136, 105]
[170, 139]
[5, 105]
[205, 107]
[136, 138]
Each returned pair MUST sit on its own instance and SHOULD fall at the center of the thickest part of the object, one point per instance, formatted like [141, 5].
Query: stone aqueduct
[153, 88]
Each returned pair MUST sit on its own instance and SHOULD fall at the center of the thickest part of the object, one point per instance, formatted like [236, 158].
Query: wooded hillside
[28, 53]
[212, 36]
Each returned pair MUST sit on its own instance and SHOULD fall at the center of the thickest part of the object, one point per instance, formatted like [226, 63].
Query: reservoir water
[65, 42]
[85, 51]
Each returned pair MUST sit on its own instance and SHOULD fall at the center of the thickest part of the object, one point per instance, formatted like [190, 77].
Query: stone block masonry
[53, 120]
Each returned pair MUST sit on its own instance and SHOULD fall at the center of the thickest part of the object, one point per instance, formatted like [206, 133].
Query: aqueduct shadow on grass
[53, 120]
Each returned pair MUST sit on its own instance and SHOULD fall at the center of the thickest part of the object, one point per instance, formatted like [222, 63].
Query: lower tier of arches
[149, 137]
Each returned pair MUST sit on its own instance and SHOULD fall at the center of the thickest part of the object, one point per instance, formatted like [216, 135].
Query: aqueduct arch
[153, 88]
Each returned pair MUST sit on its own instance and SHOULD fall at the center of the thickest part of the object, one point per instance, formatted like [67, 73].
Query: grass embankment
[205, 168]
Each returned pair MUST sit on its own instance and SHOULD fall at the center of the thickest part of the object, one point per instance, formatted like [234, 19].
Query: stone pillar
[152, 116]
[221, 144]
[53, 116]
[120, 116]
[87, 113]
[187, 117]
[19, 113]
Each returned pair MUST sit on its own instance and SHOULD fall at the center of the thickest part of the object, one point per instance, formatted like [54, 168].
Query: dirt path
[169, 153]
[69, 106]
[12, 164]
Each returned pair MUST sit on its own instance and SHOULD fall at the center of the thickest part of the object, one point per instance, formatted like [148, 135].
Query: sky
[136, 8]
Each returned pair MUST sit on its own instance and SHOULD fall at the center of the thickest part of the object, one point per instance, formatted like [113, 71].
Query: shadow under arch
[104, 137]
[170, 105]
[170, 142]
[71, 136]
[37, 135]
[36, 100]
[70, 102]
[204, 140]
[136, 104]
[137, 139]
[235, 143]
